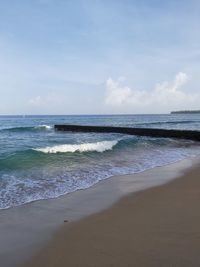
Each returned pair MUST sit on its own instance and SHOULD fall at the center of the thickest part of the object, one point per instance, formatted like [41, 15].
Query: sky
[99, 57]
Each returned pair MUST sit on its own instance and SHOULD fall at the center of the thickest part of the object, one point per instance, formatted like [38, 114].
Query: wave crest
[44, 126]
[28, 128]
[86, 147]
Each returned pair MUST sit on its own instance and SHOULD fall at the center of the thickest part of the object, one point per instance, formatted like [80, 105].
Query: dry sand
[156, 227]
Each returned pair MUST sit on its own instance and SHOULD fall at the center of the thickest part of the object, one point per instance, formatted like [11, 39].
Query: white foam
[48, 127]
[98, 146]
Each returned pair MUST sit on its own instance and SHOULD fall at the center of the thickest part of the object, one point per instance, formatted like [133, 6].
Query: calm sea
[36, 162]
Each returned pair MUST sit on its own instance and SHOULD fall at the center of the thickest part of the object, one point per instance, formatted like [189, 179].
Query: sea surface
[37, 162]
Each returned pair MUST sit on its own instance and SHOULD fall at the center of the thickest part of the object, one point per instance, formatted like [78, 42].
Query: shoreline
[154, 227]
[26, 229]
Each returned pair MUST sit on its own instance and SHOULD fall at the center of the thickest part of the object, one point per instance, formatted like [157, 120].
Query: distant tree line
[186, 112]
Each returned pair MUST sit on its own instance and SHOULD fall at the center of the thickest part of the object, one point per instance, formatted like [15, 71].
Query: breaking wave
[86, 147]
[28, 128]
[44, 126]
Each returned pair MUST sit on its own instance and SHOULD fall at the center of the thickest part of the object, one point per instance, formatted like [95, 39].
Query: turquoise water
[36, 162]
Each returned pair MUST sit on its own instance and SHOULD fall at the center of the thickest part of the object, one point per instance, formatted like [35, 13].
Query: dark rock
[152, 132]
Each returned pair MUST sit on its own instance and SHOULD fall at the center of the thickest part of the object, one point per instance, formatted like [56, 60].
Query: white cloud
[164, 97]
[49, 100]
[36, 101]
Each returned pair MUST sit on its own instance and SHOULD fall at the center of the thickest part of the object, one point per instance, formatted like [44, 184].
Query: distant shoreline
[186, 112]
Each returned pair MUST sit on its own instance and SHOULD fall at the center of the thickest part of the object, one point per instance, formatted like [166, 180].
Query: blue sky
[96, 57]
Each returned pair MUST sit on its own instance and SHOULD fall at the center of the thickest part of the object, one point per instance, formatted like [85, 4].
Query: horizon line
[106, 114]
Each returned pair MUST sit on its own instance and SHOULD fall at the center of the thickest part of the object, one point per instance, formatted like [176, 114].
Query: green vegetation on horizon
[186, 112]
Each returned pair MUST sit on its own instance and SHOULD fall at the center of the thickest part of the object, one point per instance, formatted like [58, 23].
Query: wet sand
[156, 227]
[25, 230]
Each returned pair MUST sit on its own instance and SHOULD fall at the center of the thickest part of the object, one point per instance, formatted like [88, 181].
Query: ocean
[37, 162]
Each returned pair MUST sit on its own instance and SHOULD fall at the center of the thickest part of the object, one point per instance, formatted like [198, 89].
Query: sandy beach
[99, 133]
[155, 227]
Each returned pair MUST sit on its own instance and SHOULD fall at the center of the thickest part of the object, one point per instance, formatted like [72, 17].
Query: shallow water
[37, 162]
